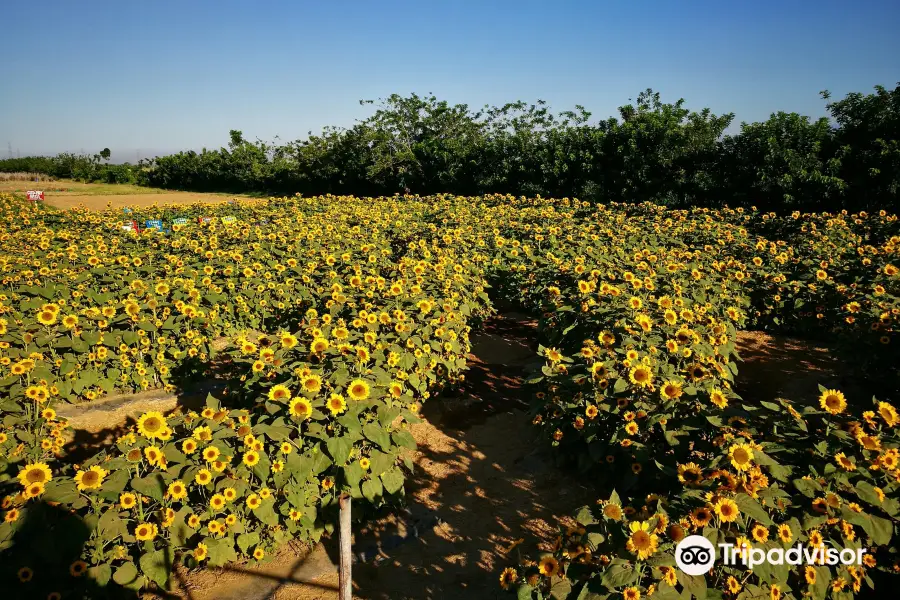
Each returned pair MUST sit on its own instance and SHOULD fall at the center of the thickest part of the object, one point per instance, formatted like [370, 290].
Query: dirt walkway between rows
[483, 482]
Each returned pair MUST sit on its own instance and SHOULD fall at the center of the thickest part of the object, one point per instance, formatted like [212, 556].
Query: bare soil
[103, 201]
[782, 367]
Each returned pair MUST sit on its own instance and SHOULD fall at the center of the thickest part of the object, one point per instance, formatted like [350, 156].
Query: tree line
[653, 150]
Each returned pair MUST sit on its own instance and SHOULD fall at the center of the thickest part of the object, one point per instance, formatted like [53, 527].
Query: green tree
[867, 141]
[781, 163]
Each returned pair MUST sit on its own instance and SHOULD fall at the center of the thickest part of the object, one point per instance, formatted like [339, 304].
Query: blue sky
[163, 76]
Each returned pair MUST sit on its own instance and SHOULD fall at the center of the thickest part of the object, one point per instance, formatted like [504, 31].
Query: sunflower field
[332, 319]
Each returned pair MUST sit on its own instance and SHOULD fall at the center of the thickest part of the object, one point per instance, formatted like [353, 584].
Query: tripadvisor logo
[695, 555]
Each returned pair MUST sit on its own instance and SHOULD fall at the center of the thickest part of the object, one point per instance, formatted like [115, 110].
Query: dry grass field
[67, 194]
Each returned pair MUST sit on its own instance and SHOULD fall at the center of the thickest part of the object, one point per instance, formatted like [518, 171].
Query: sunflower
[90, 479]
[78, 568]
[670, 390]
[127, 500]
[215, 528]
[253, 501]
[33, 491]
[741, 456]
[843, 462]
[717, 397]
[641, 376]
[785, 534]
[733, 585]
[319, 345]
[211, 454]
[727, 510]
[642, 541]
[700, 517]
[154, 456]
[152, 425]
[337, 404]
[258, 553]
[312, 384]
[690, 474]
[288, 341]
[203, 477]
[300, 407]
[358, 390]
[189, 446]
[633, 593]
[217, 502]
[46, 317]
[760, 533]
[888, 413]
[250, 458]
[177, 490]
[775, 592]
[599, 370]
[613, 511]
[201, 552]
[146, 531]
[34, 473]
[279, 393]
[676, 532]
[833, 402]
[508, 577]
[869, 442]
[548, 566]
[554, 355]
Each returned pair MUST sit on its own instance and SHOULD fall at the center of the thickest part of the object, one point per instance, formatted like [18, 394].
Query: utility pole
[345, 577]
[9, 145]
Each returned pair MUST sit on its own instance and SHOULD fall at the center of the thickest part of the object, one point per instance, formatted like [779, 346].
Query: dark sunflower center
[35, 476]
[641, 540]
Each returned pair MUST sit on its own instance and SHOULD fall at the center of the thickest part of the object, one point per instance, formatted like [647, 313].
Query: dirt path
[782, 367]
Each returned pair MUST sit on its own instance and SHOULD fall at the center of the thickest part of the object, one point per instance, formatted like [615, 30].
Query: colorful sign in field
[179, 221]
[153, 224]
[130, 226]
[35, 195]
[229, 220]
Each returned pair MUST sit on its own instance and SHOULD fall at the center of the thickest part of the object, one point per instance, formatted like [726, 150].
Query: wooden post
[346, 579]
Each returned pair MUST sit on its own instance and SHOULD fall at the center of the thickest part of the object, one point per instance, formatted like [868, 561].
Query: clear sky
[163, 76]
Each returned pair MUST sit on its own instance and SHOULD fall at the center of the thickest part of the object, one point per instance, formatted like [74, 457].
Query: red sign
[35, 195]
